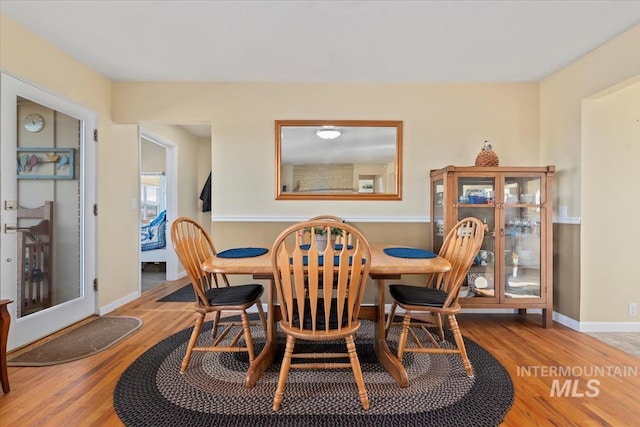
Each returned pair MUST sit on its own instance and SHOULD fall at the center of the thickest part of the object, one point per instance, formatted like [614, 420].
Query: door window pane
[48, 225]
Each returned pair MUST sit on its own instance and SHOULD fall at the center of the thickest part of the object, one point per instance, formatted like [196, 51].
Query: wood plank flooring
[80, 393]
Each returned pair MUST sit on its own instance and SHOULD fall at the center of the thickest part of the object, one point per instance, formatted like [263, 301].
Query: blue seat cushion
[234, 295]
[418, 295]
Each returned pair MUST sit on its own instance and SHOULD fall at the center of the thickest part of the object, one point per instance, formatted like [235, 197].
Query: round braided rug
[152, 392]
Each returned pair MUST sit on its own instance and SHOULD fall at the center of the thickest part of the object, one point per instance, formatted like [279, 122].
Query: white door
[47, 198]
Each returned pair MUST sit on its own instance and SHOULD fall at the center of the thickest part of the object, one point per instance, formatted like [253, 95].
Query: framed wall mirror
[338, 159]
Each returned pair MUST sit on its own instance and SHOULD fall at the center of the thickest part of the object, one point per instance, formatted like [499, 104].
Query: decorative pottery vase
[487, 157]
[321, 242]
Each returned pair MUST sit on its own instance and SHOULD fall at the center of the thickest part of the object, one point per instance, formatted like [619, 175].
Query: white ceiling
[322, 41]
[325, 41]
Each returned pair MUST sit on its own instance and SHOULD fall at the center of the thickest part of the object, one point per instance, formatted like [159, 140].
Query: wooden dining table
[383, 268]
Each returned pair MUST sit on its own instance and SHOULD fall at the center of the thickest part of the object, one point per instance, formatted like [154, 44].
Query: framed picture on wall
[365, 185]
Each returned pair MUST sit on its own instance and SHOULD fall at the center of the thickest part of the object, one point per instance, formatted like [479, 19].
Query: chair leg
[263, 318]
[438, 319]
[455, 329]
[216, 322]
[284, 372]
[357, 372]
[192, 341]
[246, 327]
[402, 341]
[390, 317]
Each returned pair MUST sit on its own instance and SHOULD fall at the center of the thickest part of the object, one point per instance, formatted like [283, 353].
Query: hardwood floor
[80, 393]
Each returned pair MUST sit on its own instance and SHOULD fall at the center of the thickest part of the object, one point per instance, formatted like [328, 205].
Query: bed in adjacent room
[153, 241]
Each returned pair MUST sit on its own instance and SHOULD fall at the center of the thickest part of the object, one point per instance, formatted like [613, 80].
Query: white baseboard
[596, 326]
[566, 321]
[609, 327]
[119, 303]
[178, 277]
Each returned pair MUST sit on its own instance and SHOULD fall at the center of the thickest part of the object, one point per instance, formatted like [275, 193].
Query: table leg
[265, 358]
[385, 357]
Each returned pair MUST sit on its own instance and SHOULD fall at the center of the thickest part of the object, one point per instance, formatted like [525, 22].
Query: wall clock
[34, 122]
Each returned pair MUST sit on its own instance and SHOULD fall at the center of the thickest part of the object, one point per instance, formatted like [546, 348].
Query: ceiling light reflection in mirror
[338, 159]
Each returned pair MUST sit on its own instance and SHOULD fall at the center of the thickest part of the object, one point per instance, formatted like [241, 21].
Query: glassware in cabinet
[437, 214]
[476, 198]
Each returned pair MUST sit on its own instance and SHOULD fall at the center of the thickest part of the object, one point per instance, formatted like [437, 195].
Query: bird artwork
[62, 160]
[22, 162]
[33, 161]
[26, 162]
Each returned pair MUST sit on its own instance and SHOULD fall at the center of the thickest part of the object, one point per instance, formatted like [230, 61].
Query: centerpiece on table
[320, 234]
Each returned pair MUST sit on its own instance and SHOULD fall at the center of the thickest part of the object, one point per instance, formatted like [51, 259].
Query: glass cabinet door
[522, 224]
[476, 198]
[437, 209]
[513, 268]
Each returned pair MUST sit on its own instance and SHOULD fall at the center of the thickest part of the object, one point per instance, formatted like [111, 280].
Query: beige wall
[584, 165]
[117, 174]
[443, 124]
[561, 96]
[611, 165]
[54, 70]
[566, 270]
[153, 157]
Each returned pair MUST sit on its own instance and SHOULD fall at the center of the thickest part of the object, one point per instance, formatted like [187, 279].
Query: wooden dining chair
[193, 246]
[311, 308]
[439, 296]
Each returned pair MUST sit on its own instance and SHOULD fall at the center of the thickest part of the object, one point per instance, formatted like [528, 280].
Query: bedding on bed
[153, 235]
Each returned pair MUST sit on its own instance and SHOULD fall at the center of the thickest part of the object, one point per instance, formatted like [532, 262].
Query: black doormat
[184, 294]
[152, 391]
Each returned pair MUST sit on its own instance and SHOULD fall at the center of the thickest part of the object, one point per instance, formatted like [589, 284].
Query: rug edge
[40, 364]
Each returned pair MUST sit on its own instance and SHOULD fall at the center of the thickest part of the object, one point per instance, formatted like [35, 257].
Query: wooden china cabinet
[514, 266]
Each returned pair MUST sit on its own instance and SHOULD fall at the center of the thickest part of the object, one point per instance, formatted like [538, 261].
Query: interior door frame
[30, 328]
[171, 171]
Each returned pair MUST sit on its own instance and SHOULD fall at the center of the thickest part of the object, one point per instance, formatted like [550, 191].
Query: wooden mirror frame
[342, 124]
